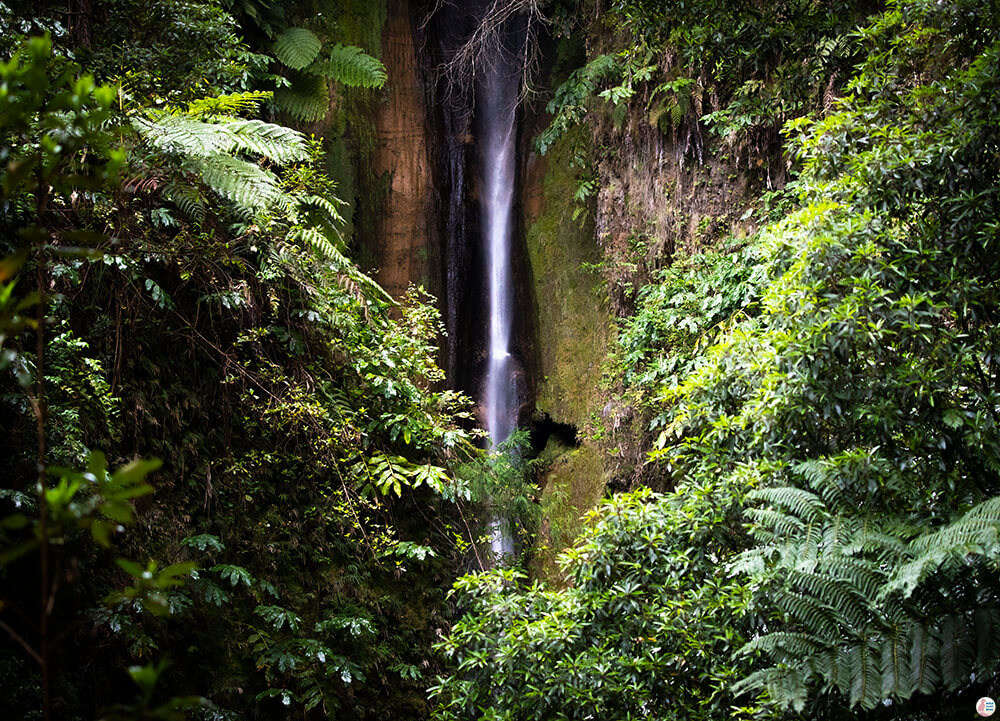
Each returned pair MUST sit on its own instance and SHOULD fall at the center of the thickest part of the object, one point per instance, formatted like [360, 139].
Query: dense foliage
[235, 488]
[823, 405]
[176, 286]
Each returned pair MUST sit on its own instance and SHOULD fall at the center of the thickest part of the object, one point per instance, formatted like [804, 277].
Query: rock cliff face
[656, 197]
[407, 244]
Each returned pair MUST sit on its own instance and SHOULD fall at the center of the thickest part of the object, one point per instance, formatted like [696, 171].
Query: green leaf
[297, 47]
[351, 66]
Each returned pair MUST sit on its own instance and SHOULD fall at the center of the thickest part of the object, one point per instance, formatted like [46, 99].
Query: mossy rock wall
[573, 330]
[573, 320]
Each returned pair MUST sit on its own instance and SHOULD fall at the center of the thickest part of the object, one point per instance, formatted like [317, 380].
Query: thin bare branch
[488, 45]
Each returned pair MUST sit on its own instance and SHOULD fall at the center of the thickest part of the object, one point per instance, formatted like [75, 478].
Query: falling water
[495, 109]
[497, 205]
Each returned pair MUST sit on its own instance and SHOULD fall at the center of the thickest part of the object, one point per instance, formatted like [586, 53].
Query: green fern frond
[865, 665]
[896, 679]
[320, 244]
[351, 66]
[187, 198]
[307, 100]
[322, 204]
[787, 686]
[975, 533]
[778, 523]
[853, 608]
[834, 477]
[956, 652]
[247, 185]
[297, 47]
[924, 676]
[233, 104]
[810, 613]
[275, 142]
[189, 137]
[181, 135]
[804, 504]
[862, 575]
[784, 643]
[839, 533]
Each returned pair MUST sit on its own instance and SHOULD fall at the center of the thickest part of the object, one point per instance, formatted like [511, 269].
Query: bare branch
[488, 45]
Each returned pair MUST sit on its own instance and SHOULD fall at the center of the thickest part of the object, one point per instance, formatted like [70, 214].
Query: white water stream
[496, 104]
[497, 205]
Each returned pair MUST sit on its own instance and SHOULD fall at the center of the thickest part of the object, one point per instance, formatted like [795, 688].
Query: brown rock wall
[406, 240]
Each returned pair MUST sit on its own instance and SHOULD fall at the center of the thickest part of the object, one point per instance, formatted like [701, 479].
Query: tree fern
[297, 47]
[351, 66]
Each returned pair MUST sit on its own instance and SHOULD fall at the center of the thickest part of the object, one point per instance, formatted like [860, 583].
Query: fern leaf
[975, 533]
[275, 142]
[190, 137]
[297, 47]
[836, 594]
[778, 523]
[866, 681]
[896, 680]
[923, 650]
[232, 104]
[351, 66]
[307, 100]
[780, 642]
[320, 244]
[809, 613]
[322, 204]
[802, 503]
[187, 199]
[246, 184]
[181, 135]
[785, 685]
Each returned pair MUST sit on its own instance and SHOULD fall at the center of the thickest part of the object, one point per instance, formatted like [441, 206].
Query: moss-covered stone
[573, 319]
[573, 324]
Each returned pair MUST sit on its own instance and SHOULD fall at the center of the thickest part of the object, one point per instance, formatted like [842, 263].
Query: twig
[24, 644]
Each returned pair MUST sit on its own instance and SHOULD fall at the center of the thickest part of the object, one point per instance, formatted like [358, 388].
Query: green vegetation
[821, 401]
[175, 285]
[236, 488]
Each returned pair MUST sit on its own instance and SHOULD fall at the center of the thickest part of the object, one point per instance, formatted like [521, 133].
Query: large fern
[307, 97]
[351, 66]
[836, 583]
[223, 154]
[297, 47]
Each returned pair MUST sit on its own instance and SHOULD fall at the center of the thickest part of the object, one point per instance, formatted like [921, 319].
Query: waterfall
[496, 105]
[496, 108]
[481, 314]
